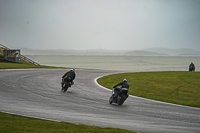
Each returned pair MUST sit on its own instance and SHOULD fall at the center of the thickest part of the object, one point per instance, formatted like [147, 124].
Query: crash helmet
[72, 69]
[124, 80]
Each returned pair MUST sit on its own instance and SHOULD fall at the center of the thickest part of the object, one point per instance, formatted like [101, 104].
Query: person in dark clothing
[191, 67]
[119, 86]
[70, 74]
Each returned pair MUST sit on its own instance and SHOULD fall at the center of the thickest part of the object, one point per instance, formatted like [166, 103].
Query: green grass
[5, 65]
[174, 87]
[17, 124]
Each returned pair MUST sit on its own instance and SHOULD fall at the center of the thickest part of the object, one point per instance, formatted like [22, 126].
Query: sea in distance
[120, 63]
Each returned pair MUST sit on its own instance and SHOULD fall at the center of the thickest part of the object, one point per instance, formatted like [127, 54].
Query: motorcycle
[66, 83]
[121, 96]
[191, 68]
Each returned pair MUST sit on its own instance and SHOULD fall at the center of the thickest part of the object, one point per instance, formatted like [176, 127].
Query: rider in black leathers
[123, 84]
[191, 67]
[70, 74]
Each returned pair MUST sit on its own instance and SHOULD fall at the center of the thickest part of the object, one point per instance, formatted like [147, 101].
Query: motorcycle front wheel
[122, 99]
[111, 99]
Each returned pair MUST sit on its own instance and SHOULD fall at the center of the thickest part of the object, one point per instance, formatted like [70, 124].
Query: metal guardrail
[23, 57]
[29, 60]
[4, 47]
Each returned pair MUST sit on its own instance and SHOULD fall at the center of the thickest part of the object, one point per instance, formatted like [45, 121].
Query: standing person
[122, 84]
[70, 74]
[191, 67]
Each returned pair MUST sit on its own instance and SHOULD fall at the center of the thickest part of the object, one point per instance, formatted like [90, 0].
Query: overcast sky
[100, 24]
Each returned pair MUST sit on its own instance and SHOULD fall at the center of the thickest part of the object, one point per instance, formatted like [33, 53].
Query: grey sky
[100, 24]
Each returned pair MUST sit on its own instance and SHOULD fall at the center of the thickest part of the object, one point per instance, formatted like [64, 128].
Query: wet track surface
[37, 93]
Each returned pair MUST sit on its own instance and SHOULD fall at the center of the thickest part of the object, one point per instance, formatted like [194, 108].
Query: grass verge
[5, 65]
[174, 87]
[17, 124]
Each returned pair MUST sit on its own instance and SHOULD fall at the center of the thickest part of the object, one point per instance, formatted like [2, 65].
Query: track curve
[36, 93]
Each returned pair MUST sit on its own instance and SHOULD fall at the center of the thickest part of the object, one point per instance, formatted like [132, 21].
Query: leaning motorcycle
[191, 68]
[121, 97]
[66, 83]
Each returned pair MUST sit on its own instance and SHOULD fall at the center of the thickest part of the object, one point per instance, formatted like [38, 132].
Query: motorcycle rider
[70, 74]
[191, 67]
[123, 84]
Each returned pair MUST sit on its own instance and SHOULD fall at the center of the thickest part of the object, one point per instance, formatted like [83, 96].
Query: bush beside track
[176, 87]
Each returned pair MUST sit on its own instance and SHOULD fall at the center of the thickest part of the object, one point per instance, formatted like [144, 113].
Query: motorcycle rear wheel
[123, 98]
[65, 87]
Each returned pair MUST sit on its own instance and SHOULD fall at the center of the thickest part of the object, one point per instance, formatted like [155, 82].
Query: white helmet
[124, 80]
[73, 69]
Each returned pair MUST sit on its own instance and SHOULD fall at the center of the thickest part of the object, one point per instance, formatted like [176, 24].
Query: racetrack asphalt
[37, 93]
